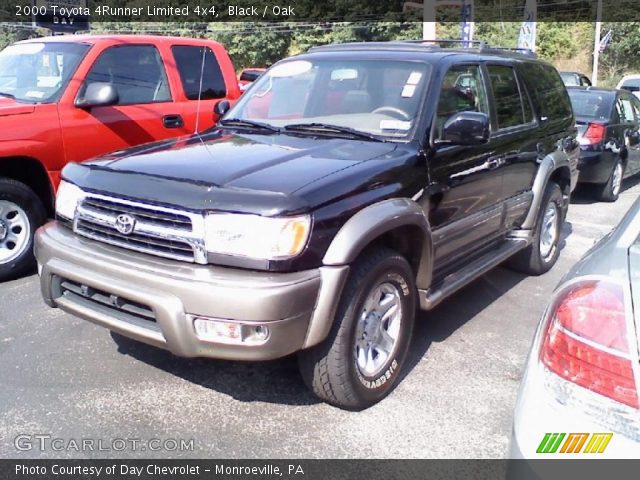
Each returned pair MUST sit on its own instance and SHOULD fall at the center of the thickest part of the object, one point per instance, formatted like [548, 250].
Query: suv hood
[249, 173]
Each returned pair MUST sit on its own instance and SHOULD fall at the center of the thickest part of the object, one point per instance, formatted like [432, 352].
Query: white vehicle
[630, 83]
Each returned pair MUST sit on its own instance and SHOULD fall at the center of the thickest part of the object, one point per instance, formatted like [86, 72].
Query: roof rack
[437, 43]
[461, 45]
[468, 44]
[522, 51]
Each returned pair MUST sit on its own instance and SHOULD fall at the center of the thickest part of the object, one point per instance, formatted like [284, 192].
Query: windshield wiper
[328, 128]
[9, 95]
[241, 122]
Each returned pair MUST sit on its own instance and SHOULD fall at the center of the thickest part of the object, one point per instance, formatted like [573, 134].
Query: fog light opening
[261, 333]
[217, 331]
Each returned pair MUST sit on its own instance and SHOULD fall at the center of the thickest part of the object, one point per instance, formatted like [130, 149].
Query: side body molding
[554, 162]
[375, 220]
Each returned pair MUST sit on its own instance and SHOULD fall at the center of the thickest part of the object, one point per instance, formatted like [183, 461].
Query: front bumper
[155, 301]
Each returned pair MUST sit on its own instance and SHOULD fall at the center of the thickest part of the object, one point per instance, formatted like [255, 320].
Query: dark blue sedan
[608, 123]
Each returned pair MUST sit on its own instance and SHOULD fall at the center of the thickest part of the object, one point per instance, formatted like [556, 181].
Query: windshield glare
[376, 97]
[38, 72]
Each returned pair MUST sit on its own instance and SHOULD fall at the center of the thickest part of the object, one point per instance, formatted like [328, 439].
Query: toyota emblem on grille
[125, 223]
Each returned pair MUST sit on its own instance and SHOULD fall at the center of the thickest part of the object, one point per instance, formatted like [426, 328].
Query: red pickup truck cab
[71, 98]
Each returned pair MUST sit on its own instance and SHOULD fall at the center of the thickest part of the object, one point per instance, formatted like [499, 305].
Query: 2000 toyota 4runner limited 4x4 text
[347, 187]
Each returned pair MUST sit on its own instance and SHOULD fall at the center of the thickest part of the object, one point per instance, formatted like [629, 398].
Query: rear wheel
[359, 363]
[543, 252]
[610, 191]
[21, 213]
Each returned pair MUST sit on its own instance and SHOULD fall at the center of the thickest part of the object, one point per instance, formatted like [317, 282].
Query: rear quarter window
[549, 93]
[191, 61]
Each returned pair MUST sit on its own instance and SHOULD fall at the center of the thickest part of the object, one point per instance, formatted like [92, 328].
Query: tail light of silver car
[589, 339]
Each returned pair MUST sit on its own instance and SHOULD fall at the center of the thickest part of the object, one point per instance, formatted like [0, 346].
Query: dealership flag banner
[466, 25]
[604, 43]
[527, 37]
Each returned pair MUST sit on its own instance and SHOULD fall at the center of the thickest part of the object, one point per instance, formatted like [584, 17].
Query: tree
[622, 53]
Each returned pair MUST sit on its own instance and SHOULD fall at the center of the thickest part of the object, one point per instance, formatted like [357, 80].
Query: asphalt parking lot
[68, 379]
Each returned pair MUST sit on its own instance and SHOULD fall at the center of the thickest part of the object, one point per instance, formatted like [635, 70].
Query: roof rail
[438, 43]
[523, 51]
[460, 45]
[479, 45]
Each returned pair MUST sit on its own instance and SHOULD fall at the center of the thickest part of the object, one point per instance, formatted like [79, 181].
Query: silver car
[579, 393]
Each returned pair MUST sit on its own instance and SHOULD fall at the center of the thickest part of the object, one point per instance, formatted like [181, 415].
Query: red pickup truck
[70, 98]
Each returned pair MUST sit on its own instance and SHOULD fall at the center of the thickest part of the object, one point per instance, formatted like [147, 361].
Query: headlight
[67, 199]
[255, 236]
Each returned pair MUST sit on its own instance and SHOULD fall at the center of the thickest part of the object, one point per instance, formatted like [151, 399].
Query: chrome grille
[156, 230]
[161, 218]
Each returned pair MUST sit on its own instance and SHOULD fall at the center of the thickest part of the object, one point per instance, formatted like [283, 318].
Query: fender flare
[376, 220]
[552, 163]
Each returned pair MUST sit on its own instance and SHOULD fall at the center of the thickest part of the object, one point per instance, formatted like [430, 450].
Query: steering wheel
[394, 111]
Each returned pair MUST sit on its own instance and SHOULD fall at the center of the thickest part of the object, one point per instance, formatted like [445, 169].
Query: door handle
[172, 121]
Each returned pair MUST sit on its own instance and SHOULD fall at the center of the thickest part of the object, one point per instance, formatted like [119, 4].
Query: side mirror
[221, 107]
[466, 128]
[98, 94]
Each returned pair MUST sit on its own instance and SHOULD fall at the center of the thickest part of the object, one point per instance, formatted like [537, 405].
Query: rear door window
[191, 62]
[550, 94]
[512, 105]
[625, 109]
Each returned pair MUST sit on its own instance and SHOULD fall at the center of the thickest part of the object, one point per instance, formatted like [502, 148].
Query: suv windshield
[380, 98]
[38, 72]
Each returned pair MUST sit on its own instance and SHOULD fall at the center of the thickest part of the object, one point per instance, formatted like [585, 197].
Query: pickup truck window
[189, 62]
[381, 98]
[38, 72]
[136, 71]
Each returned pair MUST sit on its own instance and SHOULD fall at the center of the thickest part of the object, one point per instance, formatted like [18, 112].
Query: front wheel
[543, 252]
[360, 361]
[21, 213]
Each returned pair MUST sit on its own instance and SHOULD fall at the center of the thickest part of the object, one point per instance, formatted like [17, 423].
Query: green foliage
[12, 34]
[623, 53]
[252, 44]
[555, 40]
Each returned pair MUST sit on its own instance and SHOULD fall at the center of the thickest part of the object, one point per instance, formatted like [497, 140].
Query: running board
[454, 282]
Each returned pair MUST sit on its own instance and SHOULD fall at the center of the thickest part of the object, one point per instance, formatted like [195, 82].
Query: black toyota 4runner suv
[348, 186]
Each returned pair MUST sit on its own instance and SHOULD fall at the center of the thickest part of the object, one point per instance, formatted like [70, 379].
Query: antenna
[200, 90]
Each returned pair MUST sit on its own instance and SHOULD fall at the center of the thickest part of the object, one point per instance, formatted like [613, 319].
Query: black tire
[610, 191]
[331, 369]
[16, 193]
[532, 260]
